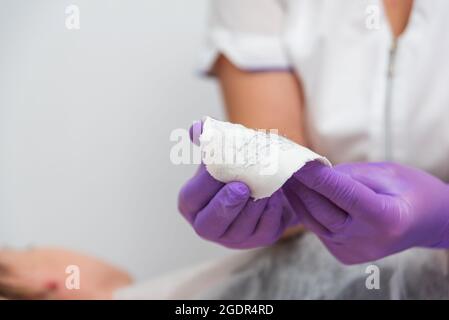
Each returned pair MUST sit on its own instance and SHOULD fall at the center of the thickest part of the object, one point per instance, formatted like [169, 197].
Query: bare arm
[265, 100]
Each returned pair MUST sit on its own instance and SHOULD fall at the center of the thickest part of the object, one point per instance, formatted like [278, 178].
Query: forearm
[265, 100]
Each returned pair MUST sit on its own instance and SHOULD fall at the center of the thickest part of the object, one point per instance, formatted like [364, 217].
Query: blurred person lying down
[41, 274]
[299, 267]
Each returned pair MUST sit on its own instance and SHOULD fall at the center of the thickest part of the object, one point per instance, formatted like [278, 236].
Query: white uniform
[366, 99]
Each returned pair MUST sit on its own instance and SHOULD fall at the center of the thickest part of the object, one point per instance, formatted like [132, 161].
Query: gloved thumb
[195, 131]
[340, 188]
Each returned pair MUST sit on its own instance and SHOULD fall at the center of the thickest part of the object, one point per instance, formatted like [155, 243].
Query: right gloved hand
[225, 213]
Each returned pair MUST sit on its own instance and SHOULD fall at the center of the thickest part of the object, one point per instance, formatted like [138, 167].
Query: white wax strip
[263, 160]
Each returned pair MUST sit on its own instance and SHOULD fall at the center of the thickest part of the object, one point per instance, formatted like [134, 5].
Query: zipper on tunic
[388, 102]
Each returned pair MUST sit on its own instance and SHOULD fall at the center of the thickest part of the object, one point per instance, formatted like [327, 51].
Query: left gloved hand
[366, 211]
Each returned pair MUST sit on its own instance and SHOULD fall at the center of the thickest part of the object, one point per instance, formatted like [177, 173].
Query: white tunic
[367, 99]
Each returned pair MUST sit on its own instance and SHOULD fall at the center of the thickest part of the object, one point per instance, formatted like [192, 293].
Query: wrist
[293, 231]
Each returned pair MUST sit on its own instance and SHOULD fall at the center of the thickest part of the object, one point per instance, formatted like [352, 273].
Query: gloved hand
[225, 213]
[366, 211]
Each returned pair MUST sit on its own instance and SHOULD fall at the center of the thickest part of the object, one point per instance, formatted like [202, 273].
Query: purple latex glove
[225, 213]
[366, 211]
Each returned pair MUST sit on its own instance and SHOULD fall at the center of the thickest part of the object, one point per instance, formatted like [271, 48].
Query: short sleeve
[248, 33]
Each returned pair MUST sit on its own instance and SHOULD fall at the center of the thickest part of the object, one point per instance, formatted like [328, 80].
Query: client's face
[50, 273]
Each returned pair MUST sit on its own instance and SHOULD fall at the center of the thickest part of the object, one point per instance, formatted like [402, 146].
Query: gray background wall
[85, 119]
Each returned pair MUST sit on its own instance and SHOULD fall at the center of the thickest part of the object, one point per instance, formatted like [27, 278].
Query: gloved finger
[324, 211]
[346, 257]
[197, 193]
[375, 176]
[245, 223]
[195, 131]
[271, 224]
[289, 215]
[354, 253]
[212, 221]
[347, 193]
[306, 218]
